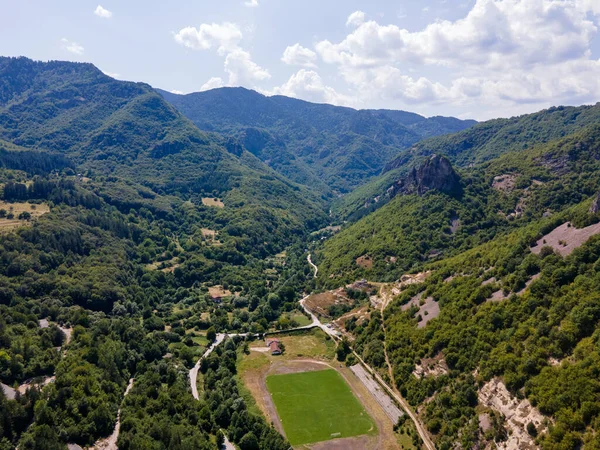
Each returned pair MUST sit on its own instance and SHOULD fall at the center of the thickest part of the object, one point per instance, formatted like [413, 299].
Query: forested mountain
[319, 145]
[414, 227]
[499, 346]
[482, 142]
[131, 235]
[115, 209]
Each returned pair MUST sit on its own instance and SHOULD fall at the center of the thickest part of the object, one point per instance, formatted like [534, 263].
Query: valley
[232, 269]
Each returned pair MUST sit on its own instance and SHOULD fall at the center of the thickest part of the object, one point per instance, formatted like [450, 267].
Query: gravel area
[388, 405]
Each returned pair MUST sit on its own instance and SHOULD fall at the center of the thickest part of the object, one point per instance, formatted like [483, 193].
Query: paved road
[194, 370]
[313, 266]
[403, 403]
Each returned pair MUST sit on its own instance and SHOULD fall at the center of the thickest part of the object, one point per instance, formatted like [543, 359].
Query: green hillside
[413, 229]
[483, 142]
[329, 147]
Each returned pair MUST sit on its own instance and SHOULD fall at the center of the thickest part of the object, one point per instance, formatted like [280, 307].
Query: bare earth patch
[214, 202]
[431, 367]
[16, 209]
[218, 291]
[497, 296]
[504, 183]
[518, 414]
[566, 238]
[365, 261]
[428, 310]
[320, 303]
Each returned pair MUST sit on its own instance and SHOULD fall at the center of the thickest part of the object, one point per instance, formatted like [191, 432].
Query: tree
[343, 350]
[220, 439]
[211, 334]
[249, 442]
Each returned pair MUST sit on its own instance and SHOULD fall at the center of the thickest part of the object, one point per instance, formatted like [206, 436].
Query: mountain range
[137, 225]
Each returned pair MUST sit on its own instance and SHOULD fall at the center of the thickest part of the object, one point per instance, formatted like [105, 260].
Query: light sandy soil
[428, 310]
[207, 201]
[566, 238]
[43, 381]
[18, 208]
[365, 261]
[504, 183]
[497, 296]
[218, 291]
[518, 414]
[488, 281]
[431, 367]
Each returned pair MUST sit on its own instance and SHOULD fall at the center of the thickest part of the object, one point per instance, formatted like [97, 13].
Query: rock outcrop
[595, 208]
[436, 173]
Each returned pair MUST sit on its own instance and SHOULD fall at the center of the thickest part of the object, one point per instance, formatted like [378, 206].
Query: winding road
[313, 266]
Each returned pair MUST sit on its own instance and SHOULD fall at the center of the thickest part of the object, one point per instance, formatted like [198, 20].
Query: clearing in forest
[318, 406]
[566, 238]
[208, 201]
[14, 210]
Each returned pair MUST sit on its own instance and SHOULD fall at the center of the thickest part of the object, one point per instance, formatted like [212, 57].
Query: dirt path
[392, 391]
[313, 266]
[110, 443]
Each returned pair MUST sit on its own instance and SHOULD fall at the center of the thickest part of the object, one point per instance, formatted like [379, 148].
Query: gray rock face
[436, 173]
[595, 204]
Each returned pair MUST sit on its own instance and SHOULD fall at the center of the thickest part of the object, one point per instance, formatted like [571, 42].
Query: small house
[274, 347]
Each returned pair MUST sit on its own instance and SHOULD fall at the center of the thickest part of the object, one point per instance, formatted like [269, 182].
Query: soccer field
[317, 406]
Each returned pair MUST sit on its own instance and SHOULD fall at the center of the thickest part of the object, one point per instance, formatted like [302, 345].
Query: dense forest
[332, 148]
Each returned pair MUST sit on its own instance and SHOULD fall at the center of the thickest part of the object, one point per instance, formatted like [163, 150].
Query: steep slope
[416, 225]
[482, 142]
[114, 128]
[327, 146]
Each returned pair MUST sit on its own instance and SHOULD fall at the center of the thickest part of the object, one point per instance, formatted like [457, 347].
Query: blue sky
[466, 58]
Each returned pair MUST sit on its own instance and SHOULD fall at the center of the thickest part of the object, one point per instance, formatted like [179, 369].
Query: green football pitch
[317, 406]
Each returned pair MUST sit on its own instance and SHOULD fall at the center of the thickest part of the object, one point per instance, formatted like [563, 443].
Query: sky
[476, 59]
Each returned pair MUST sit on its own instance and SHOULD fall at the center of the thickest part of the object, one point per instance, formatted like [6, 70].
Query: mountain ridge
[336, 148]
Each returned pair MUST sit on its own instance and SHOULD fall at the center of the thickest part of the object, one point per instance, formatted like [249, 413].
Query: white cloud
[102, 12]
[494, 33]
[224, 37]
[213, 83]
[71, 47]
[251, 3]
[308, 85]
[356, 19]
[176, 92]
[502, 53]
[242, 70]
[296, 55]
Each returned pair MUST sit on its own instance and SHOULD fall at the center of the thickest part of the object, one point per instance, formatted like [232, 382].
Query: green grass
[316, 406]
